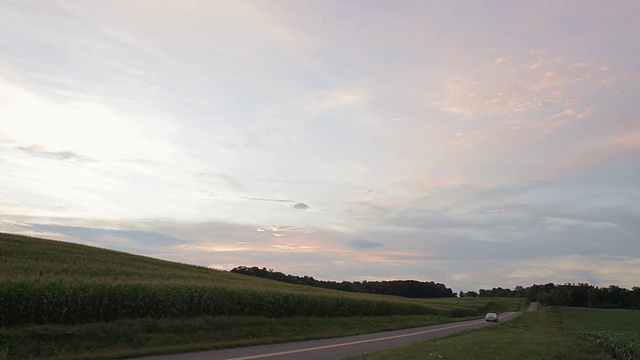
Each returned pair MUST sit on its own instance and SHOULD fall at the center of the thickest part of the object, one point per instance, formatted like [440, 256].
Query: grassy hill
[59, 299]
[29, 258]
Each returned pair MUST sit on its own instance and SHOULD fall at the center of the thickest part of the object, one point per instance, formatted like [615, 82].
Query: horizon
[473, 144]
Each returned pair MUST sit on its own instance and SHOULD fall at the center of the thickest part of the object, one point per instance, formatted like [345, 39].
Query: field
[617, 331]
[64, 301]
[549, 333]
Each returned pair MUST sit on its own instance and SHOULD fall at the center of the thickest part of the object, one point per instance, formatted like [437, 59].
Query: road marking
[360, 342]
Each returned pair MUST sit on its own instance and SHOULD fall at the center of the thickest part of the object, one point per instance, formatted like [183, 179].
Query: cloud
[586, 64]
[89, 127]
[619, 270]
[280, 231]
[364, 244]
[626, 141]
[43, 152]
[125, 240]
[560, 223]
[293, 246]
[391, 257]
[500, 60]
[586, 112]
[497, 211]
[227, 179]
[613, 145]
[267, 199]
[460, 277]
[300, 206]
[266, 138]
[540, 63]
[500, 92]
[335, 99]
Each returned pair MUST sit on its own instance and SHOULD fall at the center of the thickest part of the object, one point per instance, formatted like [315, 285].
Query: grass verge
[538, 336]
[144, 336]
[139, 337]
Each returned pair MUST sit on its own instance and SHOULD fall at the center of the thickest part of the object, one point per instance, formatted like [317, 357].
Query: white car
[491, 317]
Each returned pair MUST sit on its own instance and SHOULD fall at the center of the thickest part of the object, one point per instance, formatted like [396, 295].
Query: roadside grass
[139, 337]
[537, 335]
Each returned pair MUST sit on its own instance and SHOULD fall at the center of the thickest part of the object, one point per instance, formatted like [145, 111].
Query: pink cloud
[540, 63]
[393, 257]
[581, 64]
[618, 146]
[586, 112]
[510, 87]
[628, 140]
[459, 277]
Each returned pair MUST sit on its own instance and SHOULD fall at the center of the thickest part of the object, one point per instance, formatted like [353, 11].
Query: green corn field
[72, 302]
[623, 345]
[52, 282]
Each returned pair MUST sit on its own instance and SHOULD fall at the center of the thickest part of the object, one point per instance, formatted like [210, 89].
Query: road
[337, 348]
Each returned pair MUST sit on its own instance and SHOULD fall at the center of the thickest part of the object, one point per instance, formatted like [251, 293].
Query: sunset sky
[473, 143]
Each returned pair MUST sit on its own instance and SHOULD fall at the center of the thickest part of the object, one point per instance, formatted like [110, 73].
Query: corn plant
[624, 345]
[72, 302]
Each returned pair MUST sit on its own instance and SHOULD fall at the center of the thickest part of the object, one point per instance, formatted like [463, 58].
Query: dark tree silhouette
[406, 288]
[581, 294]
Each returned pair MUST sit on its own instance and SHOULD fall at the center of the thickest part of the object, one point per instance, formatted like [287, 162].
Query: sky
[472, 143]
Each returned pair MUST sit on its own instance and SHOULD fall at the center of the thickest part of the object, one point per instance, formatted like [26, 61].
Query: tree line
[406, 288]
[581, 294]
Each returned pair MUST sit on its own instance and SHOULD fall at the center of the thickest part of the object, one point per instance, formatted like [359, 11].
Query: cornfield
[74, 302]
[624, 345]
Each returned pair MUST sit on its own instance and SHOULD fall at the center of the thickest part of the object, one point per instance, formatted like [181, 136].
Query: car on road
[491, 317]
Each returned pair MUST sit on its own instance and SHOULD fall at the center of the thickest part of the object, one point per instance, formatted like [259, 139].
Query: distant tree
[471, 294]
[592, 298]
[581, 294]
[406, 288]
[518, 291]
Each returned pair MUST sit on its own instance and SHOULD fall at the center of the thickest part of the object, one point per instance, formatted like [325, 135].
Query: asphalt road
[337, 348]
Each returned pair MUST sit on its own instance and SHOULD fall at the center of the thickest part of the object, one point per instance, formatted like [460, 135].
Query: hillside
[30, 258]
[24, 258]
